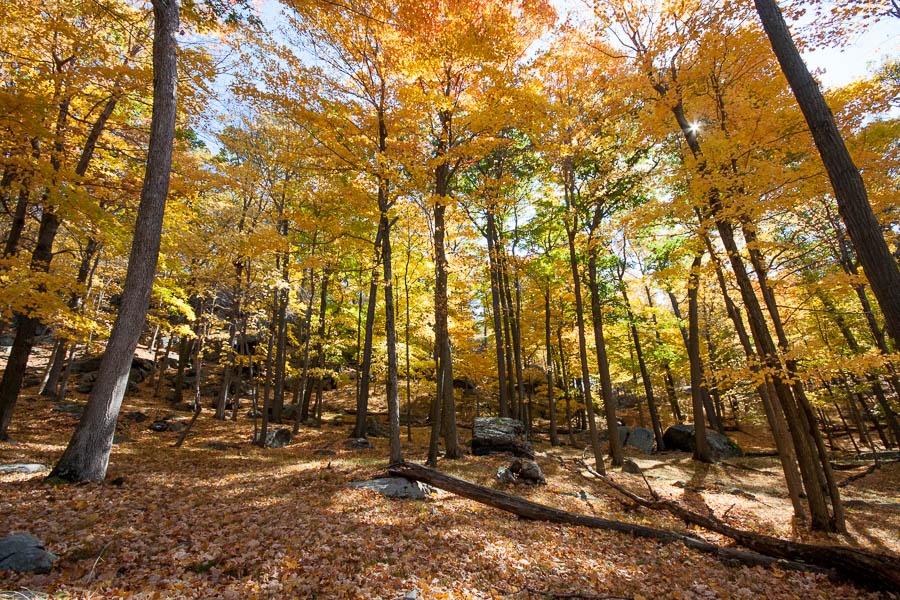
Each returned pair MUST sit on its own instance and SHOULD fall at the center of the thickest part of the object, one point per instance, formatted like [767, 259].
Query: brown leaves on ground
[241, 522]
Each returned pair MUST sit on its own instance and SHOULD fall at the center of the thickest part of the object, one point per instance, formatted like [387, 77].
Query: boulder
[23, 468]
[396, 487]
[136, 416]
[681, 437]
[290, 411]
[84, 388]
[495, 434]
[358, 444]
[86, 365]
[278, 438]
[641, 438]
[528, 471]
[70, 408]
[603, 434]
[375, 427]
[504, 475]
[122, 439]
[24, 553]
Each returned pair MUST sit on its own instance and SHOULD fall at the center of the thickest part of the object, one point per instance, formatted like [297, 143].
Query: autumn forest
[320, 241]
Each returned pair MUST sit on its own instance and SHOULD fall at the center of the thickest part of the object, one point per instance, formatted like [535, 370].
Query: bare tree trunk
[701, 449]
[365, 371]
[645, 374]
[87, 455]
[497, 313]
[609, 403]
[14, 374]
[582, 351]
[548, 350]
[565, 381]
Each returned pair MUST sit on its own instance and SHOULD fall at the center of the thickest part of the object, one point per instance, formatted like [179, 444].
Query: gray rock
[531, 473]
[495, 434]
[136, 416]
[86, 365]
[375, 427]
[289, 411]
[70, 408]
[84, 388]
[158, 425]
[358, 444]
[278, 438]
[325, 452]
[396, 487]
[23, 468]
[641, 438]
[24, 553]
[681, 437]
[122, 439]
[254, 413]
[412, 595]
[504, 475]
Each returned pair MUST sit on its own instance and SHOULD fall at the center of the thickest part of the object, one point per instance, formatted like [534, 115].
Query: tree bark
[609, 403]
[365, 370]
[87, 455]
[701, 449]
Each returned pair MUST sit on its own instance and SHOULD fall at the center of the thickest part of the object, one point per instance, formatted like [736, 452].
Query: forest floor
[222, 518]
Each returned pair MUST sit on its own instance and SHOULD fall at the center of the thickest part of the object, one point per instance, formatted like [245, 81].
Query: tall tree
[850, 192]
[87, 455]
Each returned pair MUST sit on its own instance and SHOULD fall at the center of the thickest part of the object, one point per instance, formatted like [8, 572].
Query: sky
[866, 52]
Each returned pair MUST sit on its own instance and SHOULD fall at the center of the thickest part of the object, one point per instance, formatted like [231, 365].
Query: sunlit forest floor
[222, 518]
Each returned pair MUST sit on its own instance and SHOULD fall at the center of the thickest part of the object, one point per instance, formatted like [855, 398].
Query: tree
[849, 189]
[87, 455]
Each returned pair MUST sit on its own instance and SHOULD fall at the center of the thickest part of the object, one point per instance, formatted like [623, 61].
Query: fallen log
[872, 570]
[538, 512]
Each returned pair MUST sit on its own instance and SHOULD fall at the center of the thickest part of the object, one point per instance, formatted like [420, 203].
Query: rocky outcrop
[495, 434]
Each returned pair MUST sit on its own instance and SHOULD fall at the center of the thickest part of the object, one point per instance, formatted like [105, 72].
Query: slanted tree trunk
[609, 403]
[87, 455]
[878, 571]
[849, 190]
[14, 374]
[645, 374]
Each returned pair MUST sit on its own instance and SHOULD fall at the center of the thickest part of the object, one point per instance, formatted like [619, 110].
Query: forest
[323, 241]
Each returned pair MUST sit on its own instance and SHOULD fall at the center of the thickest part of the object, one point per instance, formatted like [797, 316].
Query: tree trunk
[645, 374]
[609, 403]
[548, 350]
[701, 449]
[390, 329]
[565, 381]
[873, 570]
[849, 190]
[582, 352]
[365, 371]
[493, 261]
[447, 417]
[87, 455]
[13, 375]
